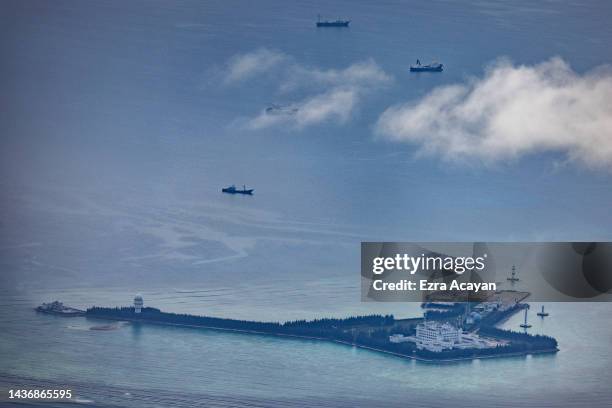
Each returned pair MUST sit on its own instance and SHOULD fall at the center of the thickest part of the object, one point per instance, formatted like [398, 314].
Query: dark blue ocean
[121, 121]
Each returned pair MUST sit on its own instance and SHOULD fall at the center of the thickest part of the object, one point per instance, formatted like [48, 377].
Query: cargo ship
[233, 190]
[336, 23]
[433, 67]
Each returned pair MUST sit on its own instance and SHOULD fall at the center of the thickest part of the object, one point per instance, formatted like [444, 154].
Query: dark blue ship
[337, 23]
[433, 67]
[233, 190]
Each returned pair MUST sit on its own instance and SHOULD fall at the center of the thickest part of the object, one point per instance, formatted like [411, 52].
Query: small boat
[542, 313]
[433, 67]
[233, 190]
[281, 110]
[337, 23]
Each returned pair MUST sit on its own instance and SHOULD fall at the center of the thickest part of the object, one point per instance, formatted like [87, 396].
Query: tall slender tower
[526, 325]
[513, 277]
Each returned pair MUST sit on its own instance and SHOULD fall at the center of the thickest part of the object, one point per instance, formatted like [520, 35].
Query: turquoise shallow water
[144, 364]
[118, 135]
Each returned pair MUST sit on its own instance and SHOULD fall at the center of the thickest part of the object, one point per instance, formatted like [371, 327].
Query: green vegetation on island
[371, 332]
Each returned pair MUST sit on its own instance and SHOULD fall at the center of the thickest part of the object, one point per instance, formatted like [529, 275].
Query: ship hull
[333, 24]
[245, 192]
[437, 68]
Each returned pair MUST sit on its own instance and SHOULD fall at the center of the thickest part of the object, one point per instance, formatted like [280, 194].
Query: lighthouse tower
[138, 304]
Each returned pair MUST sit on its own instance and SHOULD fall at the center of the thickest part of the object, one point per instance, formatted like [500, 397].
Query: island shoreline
[322, 339]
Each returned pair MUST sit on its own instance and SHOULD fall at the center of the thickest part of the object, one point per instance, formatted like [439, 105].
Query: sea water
[119, 132]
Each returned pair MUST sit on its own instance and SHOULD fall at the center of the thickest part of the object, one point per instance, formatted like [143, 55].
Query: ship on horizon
[433, 67]
[233, 190]
[336, 23]
[275, 109]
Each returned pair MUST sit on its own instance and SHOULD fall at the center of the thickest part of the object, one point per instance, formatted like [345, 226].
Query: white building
[437, 336]
[473, 341]
[487, 307]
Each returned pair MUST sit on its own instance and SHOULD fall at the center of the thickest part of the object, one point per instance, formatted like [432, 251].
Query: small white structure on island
[138, 304]
[400, 338]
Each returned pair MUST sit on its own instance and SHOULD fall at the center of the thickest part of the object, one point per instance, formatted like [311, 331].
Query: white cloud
[510, 112]
[337, 104]
[322, 94]
[364, 74]
[245, 66]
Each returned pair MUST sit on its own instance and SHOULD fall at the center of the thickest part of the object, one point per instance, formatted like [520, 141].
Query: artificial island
[447, 331]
